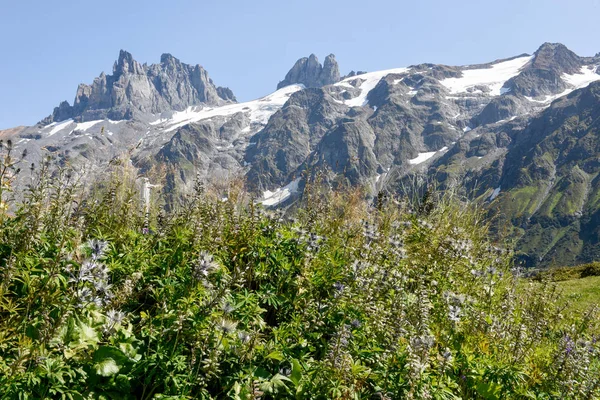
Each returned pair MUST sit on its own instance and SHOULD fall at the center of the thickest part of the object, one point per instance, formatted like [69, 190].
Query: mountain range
[521, 134]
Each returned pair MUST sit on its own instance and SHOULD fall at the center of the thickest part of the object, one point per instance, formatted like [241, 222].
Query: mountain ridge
[459, 126]
[136, 88]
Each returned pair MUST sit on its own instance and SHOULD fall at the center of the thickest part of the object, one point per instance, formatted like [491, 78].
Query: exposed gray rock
[290, 137]
[556, 57]
[135, 89]
[543, 75]
[310, 73]
[498, 109]
[354, 73]
[347, 150]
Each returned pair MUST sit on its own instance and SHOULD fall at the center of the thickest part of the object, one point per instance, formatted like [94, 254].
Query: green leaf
[276, 355]
[108, 360]
[296, 375]
[489, 390]
[107, 367]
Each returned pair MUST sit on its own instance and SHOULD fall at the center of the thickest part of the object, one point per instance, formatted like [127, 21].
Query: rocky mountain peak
[167, 58]
[331, 70]
[135, 89]
[556, 57]
[126, 64]
[543, 76]
[311, 73]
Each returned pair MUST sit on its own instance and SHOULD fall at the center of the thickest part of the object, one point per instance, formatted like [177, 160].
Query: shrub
[227, 300]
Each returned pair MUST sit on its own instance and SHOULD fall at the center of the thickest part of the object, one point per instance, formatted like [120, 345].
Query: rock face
[543, 76]
[290, 137]
[135, 89]
[520, 135]
[310, 73]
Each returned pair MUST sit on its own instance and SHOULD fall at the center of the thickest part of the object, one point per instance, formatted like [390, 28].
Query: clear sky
[48, 47]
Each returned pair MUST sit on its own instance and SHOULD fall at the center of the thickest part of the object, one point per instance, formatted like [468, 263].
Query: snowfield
[422, 157]
[367, 83]
[494, 77]
[280, 195]
[587, 75]
[259, 111]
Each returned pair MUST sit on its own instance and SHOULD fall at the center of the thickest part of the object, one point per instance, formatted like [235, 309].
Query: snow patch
[281, 194]
[587, 75]
[421, 158]
[84, 126]
[60, 126]
[367, 82]
[584, 78]
[495, 193]
[259, 110]
[494, 77]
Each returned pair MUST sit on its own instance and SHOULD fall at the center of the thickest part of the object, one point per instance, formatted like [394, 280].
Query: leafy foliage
[99, 299]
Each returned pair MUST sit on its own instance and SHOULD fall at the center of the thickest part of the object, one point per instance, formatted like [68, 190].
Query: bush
[226, 300]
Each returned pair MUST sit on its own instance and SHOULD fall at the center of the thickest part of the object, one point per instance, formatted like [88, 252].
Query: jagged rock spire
[134, 88]
[311, 73]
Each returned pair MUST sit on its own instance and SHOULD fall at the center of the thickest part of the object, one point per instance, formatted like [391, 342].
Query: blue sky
[49, 47]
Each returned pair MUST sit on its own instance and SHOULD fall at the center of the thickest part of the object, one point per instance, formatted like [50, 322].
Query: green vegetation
[222, 299]
[584, 293]
[568, 273]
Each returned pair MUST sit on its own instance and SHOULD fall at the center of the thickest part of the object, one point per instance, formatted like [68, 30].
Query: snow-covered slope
[365, 83]
[492, 78]
[259, 111]
[587, 75]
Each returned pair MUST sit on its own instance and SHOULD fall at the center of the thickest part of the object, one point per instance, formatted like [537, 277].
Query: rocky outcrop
[310, 73]
[348, 151]
[290, 137]
[543, 76]
[556, 57]
[135, 89]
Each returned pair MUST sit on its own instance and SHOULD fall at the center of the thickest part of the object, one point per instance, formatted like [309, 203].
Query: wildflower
[454, 313]
[355, 323]
[98, 248]
[227, 326]
[476, 273]
[339, 288]
[447, 354]
[227, 308]
[83, 295]
[243, 336]
[204, 266]
[395, 241]
[114, 317]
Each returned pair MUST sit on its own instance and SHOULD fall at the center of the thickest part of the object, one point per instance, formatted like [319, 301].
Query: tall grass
[223, 299]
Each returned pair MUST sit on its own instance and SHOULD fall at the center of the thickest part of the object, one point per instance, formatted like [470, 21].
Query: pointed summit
[331, 70]
[149, 89]
[556, 57]
[166, 58]
[126, 64]
[310, 73]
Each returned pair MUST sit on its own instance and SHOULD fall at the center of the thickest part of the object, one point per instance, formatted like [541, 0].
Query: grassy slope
[584, 292]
